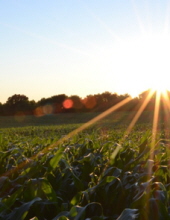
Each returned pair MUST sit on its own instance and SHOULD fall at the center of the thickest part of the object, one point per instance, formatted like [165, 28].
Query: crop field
[99, 173]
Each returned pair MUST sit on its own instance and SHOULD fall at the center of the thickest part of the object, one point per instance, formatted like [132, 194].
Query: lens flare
[89, 102]
[68, 103]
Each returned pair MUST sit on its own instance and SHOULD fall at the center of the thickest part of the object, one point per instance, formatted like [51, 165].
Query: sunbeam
[155, 123]
[133, 122]
[141, 25]
[89, 123]
[139, 112]
[71, 134]
[165, 113]
[101, 22]
[86, 134]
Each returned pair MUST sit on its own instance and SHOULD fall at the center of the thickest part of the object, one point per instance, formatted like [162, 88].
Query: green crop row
[96, 174]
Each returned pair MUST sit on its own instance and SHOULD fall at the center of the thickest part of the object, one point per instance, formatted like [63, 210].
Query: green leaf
[128, 214]
[61, 214]
[62, 218]
[39, 188]
[75, 200]
[8, 202]
[90, 210]
[77, 181]
[48, 190]
[55, 160]
[21, 212]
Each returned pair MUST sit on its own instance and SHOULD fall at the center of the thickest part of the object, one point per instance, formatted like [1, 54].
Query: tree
[17, 99]
[16, 103]
[1, 108]
[77, 103]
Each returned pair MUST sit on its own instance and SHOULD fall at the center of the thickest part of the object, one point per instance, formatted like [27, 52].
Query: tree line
[21, 105]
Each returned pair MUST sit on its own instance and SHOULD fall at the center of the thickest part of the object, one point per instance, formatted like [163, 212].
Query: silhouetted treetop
[15, 99]
[61, 103]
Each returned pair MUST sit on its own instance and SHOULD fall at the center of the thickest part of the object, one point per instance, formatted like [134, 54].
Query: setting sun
[145, 61]
[156, 56]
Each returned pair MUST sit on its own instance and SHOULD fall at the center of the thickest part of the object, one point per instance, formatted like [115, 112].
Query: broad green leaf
[77, 181]
[63, 218]
[8, 202]
[128, 214]
[75, 200]
[21, 212]
[55, 160]
[39, 188]
[90, 210]
[61, 214]
[48, 190]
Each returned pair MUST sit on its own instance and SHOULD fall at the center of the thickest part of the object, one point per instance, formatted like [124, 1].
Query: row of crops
[83, 177]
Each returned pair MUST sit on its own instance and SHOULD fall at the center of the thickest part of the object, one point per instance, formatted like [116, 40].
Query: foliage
[79, 179]
[21, 105]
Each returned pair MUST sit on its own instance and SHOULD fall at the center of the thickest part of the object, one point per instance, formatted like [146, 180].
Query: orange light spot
[89, 102]
[38, 112]
[68, 103]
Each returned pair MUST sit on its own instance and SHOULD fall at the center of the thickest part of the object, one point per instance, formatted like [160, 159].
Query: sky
[82, 47]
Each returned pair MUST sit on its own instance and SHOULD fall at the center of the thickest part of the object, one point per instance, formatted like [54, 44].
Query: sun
[145, 62]
[159, 88]
[156, 58]
[159, 82]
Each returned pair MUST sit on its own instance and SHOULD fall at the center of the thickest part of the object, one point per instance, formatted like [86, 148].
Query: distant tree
[106, 100]
[120, 99]
[89, 102]
[102, 101]
[77, 103]
[133, 105]
[16, 103]
[17, 99]
[31, 107]
[1, 108]
[44, 101]
[57, 102]
[59, 98]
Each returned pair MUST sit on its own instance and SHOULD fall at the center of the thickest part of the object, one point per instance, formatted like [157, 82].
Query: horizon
[83, 48]
[66, 95]
[149, 90]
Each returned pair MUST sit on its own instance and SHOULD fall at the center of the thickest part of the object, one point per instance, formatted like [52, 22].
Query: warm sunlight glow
[155, 51]
[145, 62]
[159, 88]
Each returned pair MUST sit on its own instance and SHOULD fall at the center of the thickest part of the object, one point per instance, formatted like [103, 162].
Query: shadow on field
[115, 118]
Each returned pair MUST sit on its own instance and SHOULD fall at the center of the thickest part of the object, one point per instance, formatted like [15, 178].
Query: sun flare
[145, 61]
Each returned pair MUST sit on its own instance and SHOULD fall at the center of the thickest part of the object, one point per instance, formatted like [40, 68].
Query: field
[48, 171]
[70, 118]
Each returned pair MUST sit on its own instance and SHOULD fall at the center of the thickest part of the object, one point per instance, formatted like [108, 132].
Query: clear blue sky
[82, 47]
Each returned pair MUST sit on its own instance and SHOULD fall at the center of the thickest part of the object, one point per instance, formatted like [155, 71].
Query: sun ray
[139, 112]
[101, 22]
[155, 123]
[71, 134]
[133, 122]
[165, 113]
[141, 26]
[167, 17]
[167, 100]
